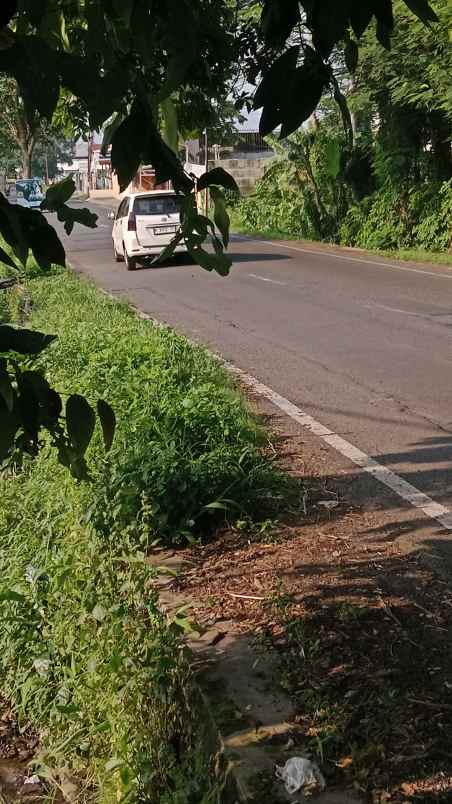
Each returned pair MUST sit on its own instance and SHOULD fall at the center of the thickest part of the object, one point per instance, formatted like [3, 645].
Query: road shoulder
[348, 623]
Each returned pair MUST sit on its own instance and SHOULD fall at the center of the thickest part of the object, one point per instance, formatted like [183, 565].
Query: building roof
[251, 123]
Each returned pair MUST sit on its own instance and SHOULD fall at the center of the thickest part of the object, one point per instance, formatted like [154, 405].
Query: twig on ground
[431, 704]
[245, 597]
[391, 614]
[389, 611]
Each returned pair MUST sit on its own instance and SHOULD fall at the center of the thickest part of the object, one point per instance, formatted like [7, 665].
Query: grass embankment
[85, 654]
[406, 254]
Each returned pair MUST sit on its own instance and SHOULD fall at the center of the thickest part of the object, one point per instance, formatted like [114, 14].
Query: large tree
[127, 62]
[20, 125]
[407, 95]
[24, 132]
[122, 60]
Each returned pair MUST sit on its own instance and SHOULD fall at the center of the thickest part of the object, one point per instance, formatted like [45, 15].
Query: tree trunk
[26, 153]
[26, 139]
[441, 146]
[317, 194]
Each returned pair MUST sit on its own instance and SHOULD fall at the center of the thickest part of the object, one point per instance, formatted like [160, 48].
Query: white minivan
[144, 224]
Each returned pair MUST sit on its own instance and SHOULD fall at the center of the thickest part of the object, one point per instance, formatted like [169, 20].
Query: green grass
[85, 653]
[187, 451]
[409, 255]
[417, 255]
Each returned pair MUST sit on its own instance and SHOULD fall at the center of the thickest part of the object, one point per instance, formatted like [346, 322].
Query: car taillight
[132, 223]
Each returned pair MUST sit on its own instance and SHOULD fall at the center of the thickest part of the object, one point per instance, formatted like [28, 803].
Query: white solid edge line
[397, 484]
[322, 253]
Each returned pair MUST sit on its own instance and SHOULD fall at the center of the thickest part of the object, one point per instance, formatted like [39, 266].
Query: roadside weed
[85, 652]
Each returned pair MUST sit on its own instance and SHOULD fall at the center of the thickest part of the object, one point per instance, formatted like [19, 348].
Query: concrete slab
[249, 710]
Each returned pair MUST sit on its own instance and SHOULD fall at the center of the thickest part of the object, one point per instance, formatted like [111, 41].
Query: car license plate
[160, 230]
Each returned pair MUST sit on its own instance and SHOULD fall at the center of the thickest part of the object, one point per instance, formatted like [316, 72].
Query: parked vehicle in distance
[143, 225]
[27, 193]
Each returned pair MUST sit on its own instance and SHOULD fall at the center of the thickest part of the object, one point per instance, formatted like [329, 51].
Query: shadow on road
[184, 260]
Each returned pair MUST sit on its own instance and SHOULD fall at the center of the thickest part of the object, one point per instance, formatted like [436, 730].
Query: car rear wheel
[118, 257]
[131, 262]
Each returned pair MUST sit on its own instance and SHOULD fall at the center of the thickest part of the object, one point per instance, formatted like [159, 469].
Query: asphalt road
[362, 344]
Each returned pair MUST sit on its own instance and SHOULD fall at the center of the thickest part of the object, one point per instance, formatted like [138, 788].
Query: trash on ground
[300, 772]
[328, 504]
[35, 780]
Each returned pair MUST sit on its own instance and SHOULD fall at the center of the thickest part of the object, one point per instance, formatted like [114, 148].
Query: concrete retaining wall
[246, 172]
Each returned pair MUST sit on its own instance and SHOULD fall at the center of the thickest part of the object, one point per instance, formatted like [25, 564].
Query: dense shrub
[394, 218]
[279, 205]
[88, 658]
[434, 230]
[185, 439]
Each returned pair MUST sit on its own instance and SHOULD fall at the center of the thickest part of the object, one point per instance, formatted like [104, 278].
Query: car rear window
[161, 205]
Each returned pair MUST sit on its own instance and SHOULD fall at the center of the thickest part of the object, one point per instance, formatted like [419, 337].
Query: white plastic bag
[299, 772]
[32, 780]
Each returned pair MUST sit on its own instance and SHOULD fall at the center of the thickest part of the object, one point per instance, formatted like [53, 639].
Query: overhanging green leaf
[268, 91]
[422, 9]
[221, 217]
[169, 250]
[34, 66]
[278, 20]
[23, 341]
[108, 422]
[218, 176]
[71, 215]
[8, 430]
[361, 15]
[6, 259]
[328, 20]
[306, 83]
[351, 54]
[385, 22]
[109, 131]
[59, 193]
[42, 239]
[7, 11]
[6, 388]
[181, 44]
[128, 143]
[34, 384]
[171, 135]
[80, 421]
[166, 163]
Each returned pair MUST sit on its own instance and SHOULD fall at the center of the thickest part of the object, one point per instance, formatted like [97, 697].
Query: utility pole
[90, 156]
[206, 167]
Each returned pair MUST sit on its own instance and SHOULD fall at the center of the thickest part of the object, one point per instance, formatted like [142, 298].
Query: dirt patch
[362, 632]
[18, 745]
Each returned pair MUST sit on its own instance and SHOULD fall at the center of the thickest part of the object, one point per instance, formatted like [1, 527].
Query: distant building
[93, 173]
[246, 159]
[90, 169]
